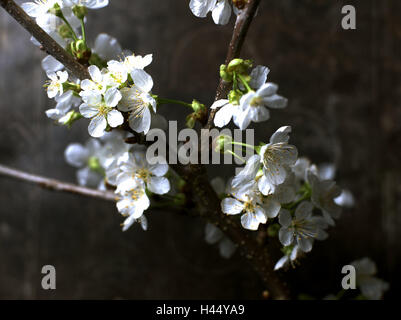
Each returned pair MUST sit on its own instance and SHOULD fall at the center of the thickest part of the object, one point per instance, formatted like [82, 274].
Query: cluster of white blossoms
[109, 162]
[288, 197]
[117, 93]
[251, 97]
[296, 199]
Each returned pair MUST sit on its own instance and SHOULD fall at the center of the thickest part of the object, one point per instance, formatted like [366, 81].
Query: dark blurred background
[344, 92]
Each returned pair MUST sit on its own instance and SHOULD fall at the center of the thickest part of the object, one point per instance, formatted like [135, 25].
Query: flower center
[143, 174]
[256, 101]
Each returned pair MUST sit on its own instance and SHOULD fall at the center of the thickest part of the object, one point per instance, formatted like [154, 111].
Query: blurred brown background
[344, 91]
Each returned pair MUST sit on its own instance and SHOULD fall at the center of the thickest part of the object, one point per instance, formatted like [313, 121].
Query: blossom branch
[205, 198]
[241, 27]
[56, 185]
[51, 46]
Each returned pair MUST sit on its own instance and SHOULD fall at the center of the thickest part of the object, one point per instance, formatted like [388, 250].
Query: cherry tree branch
[202, 195]
[56, 185]
[51, 46]
[206, 199]
[244, 20]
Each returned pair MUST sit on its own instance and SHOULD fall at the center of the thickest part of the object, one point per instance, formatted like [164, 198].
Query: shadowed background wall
[344, 106]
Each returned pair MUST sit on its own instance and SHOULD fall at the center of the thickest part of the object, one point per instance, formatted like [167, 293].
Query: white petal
[248, 173]
[304, 244]
[159, 169]
[76, 155]
[200, 8]
[304, 210]
[231, 206]
[142, 80]
[286, 236]
[264, 186]
[267, 90]
[95, 73]
[227, 248]
[112, 97]
[219, 103]
[88, 111]
[248, 221]
[285, 218]
[222, 12]
[115, 118]
[258, 76]
[50, 64]
[107, 47]
[224, 115]
[271, 207]
[97, 126]
[212, 234]
[260, 215]
[141, 124]
[281, 263]
[159, 185]
[281, 135]
[275, 101]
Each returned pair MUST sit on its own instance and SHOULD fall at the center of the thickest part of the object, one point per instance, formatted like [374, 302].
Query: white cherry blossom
[101, 111]
[371, 287]
[150, 176]
[138, 101]
[55, 85]
[253, 105]
[254, 208]
[221, 9]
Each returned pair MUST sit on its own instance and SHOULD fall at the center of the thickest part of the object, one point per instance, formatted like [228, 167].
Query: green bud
[273, 229]
[80, 11]
[222, 143]
[94, 164]
[56, 10]
[70, 118]
[71, 86]
[234, 96]
[239, 66]
[197, 106]
[190, 121]
[226, 76]
[65, 32]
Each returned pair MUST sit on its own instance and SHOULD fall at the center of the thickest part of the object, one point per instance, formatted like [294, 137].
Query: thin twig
[56, 185]
[51, 46]
[241, 27]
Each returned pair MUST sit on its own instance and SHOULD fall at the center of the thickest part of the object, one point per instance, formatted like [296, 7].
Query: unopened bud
[226, 76]
[234, 96]
[197, 106]
[94, 164]
[222, 143]
[80, 11]
[56, 10]
[190, 121]
[239, 66]
[65, 32]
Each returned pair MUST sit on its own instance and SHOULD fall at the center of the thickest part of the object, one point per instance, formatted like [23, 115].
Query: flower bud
[222, 143]
[80, 11]
[234, 96]
[56, 10]
[65, 32]
[239, 66]
[190, 121]
[94, 164]
[226, 76]
[197, 106]
[70, 118]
